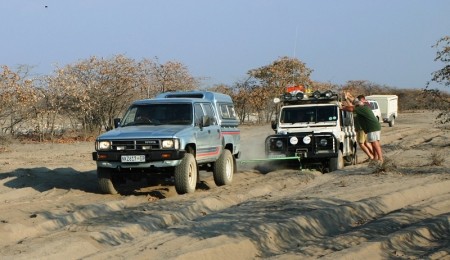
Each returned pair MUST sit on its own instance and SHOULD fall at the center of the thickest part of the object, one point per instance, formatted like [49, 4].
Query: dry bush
[437, 158]
[387, 165]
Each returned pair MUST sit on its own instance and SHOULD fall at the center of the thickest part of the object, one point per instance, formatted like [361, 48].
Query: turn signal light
[102, 156]
[165, 155]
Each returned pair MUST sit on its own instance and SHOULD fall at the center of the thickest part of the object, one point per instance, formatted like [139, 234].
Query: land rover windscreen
[304, 116]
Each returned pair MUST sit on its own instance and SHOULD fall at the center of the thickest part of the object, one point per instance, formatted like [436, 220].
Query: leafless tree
[441, 77]
[273, 80]
[170, 76]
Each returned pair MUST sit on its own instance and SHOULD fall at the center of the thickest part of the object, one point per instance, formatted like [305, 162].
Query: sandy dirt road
[51, 208]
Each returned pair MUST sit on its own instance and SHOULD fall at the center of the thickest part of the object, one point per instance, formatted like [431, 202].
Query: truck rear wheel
[186, 175]
[105, 181]
[224, 168]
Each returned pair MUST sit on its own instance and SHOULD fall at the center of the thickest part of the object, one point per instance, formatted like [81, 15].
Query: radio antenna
[295, 46]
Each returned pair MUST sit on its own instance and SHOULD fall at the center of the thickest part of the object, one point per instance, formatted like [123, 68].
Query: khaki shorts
[361, 136]
[373, 136]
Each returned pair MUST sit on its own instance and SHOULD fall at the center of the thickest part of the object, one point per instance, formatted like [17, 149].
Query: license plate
[275, 156]
[132, 158]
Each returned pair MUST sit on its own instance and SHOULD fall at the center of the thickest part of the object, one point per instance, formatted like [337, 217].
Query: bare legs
[367, 148]
[376, 147]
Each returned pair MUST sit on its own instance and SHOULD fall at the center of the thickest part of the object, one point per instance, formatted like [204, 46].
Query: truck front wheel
[186, 175]
[224, 168]
[105, 181]
[337, 163]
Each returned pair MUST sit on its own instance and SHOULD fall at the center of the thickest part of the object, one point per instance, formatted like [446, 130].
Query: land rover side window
[347, 118]
[227, 111]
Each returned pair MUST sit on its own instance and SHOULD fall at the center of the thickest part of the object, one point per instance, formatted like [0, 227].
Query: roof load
[297, 95]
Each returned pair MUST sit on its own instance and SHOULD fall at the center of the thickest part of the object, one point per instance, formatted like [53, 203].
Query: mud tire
[224, 168]
[186, 175]
[337, 163]
[105, 181]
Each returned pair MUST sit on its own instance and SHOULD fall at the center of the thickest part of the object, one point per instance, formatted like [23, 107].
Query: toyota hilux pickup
[173, 135]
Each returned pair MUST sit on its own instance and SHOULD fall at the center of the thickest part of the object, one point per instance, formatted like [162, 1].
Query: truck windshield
[315, 114]
[158, 114]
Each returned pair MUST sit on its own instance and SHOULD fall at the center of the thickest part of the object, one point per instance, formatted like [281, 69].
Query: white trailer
[388, 106]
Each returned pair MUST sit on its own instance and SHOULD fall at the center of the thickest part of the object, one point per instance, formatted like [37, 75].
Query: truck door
[208, 137]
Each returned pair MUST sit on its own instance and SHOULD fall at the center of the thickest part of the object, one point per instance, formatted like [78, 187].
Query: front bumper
[159, 159]
[321, 146]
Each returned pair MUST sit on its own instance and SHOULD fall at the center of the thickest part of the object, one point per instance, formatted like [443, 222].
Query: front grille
[149, 144]
[320, 144]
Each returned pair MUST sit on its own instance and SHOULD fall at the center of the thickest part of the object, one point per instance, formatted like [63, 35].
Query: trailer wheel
[392, 122]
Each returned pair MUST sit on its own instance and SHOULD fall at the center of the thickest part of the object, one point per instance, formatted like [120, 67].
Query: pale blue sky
[387, 42]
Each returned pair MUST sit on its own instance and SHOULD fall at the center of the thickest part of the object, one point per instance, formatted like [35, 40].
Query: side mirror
[116, 122]
[274, 125]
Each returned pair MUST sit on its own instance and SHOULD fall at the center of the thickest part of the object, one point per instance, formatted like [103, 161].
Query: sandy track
[50, 207]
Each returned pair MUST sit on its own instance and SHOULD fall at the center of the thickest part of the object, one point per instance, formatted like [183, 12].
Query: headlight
[306, 139]
[279, 143]
[323, 142]
[104, 145]
[172, 143]
[293, 140]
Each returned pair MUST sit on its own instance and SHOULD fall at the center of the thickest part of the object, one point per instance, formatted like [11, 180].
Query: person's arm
[347, 106]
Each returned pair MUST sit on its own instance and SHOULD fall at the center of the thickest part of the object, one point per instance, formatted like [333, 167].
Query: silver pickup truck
[174, 135]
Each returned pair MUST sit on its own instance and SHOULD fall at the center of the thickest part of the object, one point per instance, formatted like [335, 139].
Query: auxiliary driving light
[299, 95]
[293, 140]
[316, 94]
[323, 142]
[307, 139]
[279, 143]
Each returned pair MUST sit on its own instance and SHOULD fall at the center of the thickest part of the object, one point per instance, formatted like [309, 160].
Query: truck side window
[227, 111]
[198, 113]
[232, 112]
[224, 111]
[210, 112]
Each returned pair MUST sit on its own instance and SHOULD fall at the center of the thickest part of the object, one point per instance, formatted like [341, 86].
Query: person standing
[369, 123]
[361, 135]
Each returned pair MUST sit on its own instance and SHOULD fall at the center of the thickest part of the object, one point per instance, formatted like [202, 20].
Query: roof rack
[296, 96]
